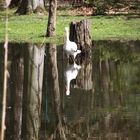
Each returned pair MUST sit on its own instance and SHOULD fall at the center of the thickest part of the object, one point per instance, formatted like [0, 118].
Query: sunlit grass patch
[33, 27]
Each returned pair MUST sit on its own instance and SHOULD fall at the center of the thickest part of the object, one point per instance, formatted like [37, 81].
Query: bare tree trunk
[34, 63]
[77, 2]
[4, 4]
[79, 32]
[14, 3]
[51, 28]
[29, 6]
[23, 8]
[17, 77]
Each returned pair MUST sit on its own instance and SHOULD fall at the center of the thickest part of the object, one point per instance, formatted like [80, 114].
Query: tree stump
[79, 33]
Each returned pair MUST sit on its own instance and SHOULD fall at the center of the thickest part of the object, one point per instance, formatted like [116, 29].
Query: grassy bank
[32, 28]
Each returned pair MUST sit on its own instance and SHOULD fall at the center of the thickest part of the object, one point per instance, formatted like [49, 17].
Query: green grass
[32, 28]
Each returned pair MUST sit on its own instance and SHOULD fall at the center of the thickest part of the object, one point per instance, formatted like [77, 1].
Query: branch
[3, 127]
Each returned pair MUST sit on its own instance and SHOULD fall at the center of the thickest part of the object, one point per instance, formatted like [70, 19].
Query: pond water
[104, 92]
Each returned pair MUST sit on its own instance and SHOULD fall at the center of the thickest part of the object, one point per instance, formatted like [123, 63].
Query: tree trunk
[77, 2]
[79, 33]
[29, 6]
[34, 63]
[2, 4]
[23, 8]
[14, 3]
[51, 28]
[17, 77]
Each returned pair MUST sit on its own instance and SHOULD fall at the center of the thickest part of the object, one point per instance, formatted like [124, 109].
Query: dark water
[104, 100]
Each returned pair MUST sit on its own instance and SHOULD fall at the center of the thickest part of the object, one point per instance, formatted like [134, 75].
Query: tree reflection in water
[33, 82]
[58, 130]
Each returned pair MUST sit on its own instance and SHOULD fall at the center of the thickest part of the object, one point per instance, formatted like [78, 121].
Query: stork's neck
[67, 35]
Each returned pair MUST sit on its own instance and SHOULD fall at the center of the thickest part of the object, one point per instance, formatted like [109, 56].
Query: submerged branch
[3, 127]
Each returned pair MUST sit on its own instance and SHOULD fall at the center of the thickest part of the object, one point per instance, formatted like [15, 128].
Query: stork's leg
[71, 59]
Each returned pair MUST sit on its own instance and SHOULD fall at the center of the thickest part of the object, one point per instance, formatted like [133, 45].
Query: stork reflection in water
[70, 74]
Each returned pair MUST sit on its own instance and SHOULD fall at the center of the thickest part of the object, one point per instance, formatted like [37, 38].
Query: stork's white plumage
[69, 46]
[70, 74]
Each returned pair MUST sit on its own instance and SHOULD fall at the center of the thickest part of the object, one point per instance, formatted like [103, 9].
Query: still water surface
[104, 92]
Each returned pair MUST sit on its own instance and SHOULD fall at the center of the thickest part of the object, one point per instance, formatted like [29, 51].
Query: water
[104, 100]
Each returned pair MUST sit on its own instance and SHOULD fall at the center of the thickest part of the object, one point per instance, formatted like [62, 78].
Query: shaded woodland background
[86, 7]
